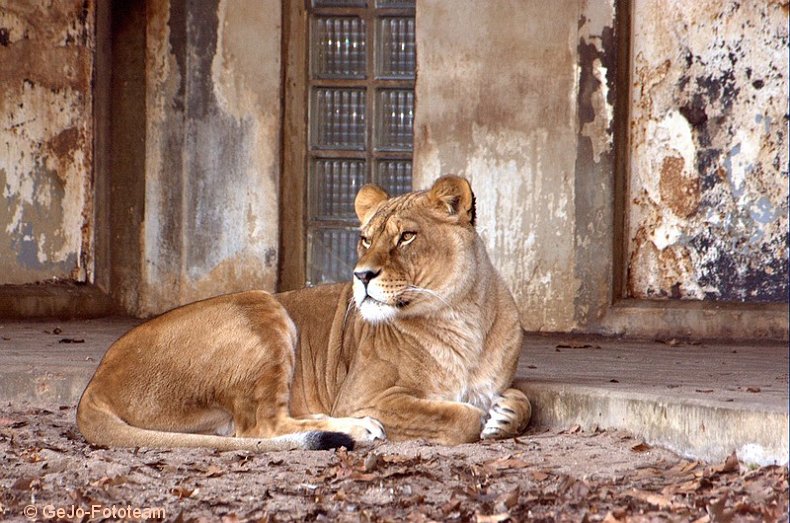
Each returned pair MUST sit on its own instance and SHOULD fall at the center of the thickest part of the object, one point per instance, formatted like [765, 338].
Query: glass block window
[362, 63]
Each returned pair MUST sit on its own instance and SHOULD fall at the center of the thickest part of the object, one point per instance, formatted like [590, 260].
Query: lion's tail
[101, 426]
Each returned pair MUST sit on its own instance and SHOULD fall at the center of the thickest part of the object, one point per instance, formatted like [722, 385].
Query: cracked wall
[708, 188]
[46, 140]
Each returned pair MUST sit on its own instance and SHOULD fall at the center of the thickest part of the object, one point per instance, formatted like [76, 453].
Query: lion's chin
[375, 312]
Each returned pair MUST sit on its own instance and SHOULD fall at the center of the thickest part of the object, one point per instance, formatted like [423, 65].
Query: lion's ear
[455, 195]
[368, 197]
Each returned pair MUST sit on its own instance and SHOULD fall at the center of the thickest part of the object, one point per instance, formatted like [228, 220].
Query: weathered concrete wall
[46, 140]
[596, 58]
[497, 102]
[212, 151]
[494, 103]
[708, 199]
[522, 100]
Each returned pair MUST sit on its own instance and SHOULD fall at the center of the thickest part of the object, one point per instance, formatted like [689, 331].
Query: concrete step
[700, 400]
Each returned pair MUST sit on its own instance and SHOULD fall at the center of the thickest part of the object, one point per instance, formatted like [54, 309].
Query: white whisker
[351, 304]
[428, 292]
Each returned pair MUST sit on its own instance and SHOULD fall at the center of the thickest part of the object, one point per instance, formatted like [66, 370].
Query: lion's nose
[366, 276]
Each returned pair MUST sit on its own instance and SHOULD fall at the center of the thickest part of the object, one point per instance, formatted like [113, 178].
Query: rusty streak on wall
[212, 137]
[708, 199]
[46, 140]
[497, 90]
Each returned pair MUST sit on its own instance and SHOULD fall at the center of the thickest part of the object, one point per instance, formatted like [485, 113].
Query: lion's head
[417, 252]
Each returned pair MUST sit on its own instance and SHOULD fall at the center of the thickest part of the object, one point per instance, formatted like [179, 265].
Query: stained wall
[525, 101]
[708, 188]
[497, 96]
[210, 221]
[46, 141]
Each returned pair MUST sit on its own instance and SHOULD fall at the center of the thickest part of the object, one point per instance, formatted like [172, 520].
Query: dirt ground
[569, 475]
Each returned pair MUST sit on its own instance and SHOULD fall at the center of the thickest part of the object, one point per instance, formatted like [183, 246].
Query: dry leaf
[577, 345]
[641, 447]
[717, 511]
[505, 463]
[371, 462]
[105, 481]
[506, 501]
[183, 492]
[451, 506]
[213, 471]
[731, 464]
[25, 484]
[492, 518]
[538, 475]
[652, 498]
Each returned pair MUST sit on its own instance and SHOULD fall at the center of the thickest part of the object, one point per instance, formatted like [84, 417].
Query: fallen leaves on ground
[577, 345]
[570, 475]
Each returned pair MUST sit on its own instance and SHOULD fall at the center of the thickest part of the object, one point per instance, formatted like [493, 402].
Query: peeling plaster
[46, 140]
[595, 27]
[212, 150]
[708, 194]
[593, 182]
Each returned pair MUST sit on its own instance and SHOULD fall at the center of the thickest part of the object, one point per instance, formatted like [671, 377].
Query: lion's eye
[407, 237]
[365, 242]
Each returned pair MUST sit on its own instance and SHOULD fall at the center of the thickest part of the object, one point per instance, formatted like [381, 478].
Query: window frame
[297, 154]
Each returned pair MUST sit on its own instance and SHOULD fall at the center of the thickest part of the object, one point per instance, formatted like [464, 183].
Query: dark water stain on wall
[47, 57]
[708, 200]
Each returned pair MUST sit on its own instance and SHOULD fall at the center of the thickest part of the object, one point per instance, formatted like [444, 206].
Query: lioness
[422, 344]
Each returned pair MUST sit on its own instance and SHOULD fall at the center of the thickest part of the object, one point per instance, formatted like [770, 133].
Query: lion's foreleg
[408, 417]
[508, 416]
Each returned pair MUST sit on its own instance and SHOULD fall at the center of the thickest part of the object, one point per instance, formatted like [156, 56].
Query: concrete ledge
[45, 387]
[701, 399]
[705, 430]
[56, 300]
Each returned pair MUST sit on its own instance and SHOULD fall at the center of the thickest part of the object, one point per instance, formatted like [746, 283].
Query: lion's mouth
[400, 303]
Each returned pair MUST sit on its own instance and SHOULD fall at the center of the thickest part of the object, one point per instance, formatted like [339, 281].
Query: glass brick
[338, 47]
[340, 3]
[333, 254]
[395, 48]
[395, 3]
[337, 118]
[394, 176]
[394, 119]
[333, 186]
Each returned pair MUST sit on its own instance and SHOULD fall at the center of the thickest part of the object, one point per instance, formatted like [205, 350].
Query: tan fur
[428, 349]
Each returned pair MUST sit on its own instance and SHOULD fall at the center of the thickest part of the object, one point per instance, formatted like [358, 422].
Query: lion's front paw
[508, 415]
[363, 430]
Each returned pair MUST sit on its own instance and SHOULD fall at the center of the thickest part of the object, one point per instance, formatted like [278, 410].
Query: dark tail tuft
[329, 440]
